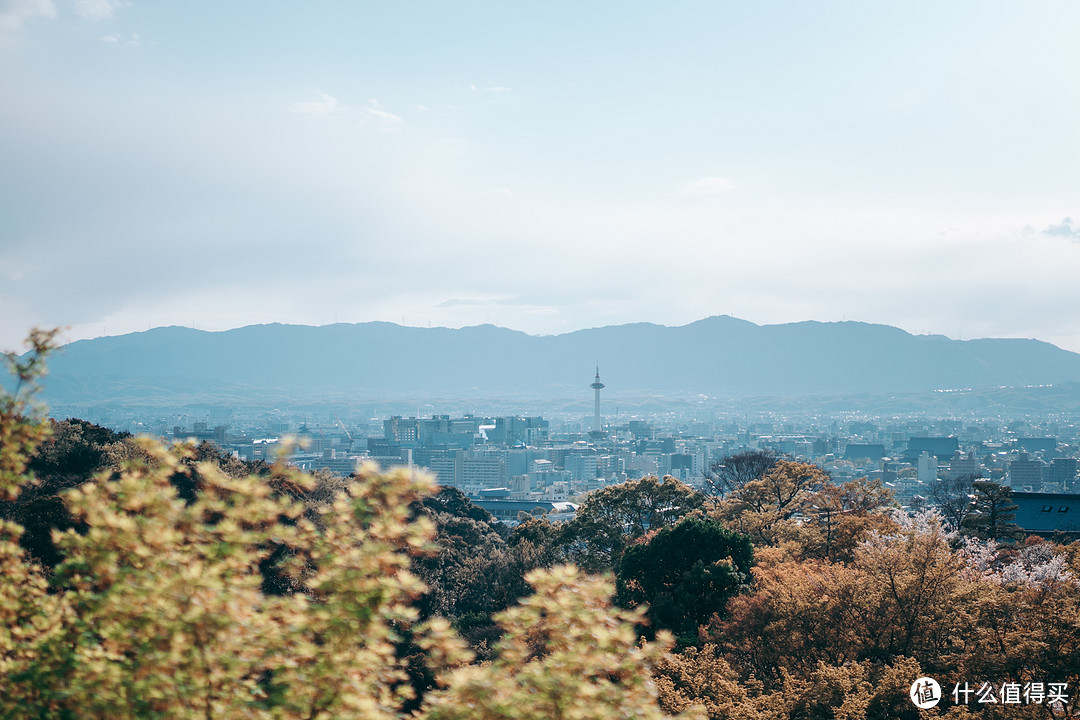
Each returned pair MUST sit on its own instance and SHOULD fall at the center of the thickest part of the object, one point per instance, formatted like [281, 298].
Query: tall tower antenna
[597, 386]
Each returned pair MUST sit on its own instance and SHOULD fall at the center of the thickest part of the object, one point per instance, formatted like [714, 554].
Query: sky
[545, 167]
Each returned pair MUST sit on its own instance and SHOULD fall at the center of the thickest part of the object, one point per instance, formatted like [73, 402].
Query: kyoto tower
[597, 386]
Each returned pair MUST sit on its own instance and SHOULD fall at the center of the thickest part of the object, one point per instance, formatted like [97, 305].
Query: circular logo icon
[925, 693]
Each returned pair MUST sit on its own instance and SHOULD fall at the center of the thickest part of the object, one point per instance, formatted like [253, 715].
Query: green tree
[474, 572]
[610, 518]
[685, 573]
[992, 513]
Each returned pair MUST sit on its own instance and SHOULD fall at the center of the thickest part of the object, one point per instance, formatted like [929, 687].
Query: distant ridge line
[718, 356]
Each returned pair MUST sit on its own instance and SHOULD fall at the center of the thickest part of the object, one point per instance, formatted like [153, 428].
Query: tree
[610, 518]
[734, 471]
[992, 513]
[685, 573]
[22, 424]
[836, 518]
[158, 606]
[1025, 613]
[954, 498]
[565, 653]
[854, 691]
[912, 600]
[70, 453]
[799, 613]
[474, 572]
[701, 677]
[900, 595]
[761, 507]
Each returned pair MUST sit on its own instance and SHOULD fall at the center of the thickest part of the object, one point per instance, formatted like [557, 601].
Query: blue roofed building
[1048, 514]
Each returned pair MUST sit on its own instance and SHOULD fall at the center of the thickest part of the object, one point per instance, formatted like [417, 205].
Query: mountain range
[719, 357]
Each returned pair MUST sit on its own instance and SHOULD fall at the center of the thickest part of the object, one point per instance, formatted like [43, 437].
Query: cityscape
[513, 463]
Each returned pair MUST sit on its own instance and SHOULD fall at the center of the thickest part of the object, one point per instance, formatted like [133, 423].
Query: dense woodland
[139, 581]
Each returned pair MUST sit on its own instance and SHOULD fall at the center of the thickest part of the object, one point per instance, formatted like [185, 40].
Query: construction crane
[344, 429]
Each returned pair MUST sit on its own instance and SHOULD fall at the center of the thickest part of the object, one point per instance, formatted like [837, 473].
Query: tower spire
[597, 386]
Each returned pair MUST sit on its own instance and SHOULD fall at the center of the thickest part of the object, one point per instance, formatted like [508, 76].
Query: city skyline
[544, 169]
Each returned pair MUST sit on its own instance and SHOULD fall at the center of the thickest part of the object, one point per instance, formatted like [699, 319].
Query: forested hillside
[717, 356]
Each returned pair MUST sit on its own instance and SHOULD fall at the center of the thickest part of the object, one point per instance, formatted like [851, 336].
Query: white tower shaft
[597, 386]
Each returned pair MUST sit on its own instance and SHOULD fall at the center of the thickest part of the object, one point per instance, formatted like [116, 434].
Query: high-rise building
[927, 469]
[1061, 472]
[436, 430]
[582, 468]
[961, 465]
[512, 430]
[1025, 474]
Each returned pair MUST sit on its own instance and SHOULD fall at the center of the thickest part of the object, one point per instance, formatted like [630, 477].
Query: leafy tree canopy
[566, 653]
[685, 573]
[610, 518]
[759, 507]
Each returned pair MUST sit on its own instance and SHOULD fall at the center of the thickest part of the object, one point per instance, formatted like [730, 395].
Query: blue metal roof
[1047, 513]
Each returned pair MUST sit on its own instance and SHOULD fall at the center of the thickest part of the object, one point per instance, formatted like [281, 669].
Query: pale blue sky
[542, 166]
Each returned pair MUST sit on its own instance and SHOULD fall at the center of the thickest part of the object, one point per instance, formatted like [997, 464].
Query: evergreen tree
[685, 573]
[992, 514]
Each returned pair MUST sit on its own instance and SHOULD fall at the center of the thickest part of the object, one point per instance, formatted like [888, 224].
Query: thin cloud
[113, 38]
[94, 10]
[384, 117]
[325, 107]
[1066, 229]
[708, 186]
[490, 87]
[16, 13]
